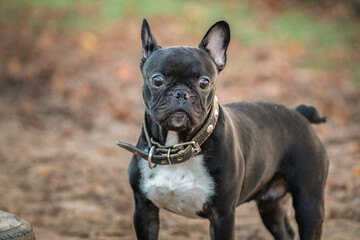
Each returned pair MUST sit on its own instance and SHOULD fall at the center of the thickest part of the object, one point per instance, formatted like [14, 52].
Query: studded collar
[177, 153]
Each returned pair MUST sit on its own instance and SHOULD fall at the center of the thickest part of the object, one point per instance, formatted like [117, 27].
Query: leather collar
[178, 153]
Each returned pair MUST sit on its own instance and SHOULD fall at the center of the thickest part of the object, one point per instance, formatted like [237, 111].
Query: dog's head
[179, 82]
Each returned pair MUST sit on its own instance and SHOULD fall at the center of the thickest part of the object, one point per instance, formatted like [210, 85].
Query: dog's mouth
[178, 121]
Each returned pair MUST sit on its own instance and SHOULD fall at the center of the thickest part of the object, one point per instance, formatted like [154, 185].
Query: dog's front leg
[146, 218]
[222, 226]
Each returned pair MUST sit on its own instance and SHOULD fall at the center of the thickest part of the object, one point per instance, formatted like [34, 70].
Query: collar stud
[209, 128]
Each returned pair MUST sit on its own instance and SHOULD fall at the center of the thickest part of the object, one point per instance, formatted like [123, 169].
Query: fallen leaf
[13, 66]
[89, 42]
[356, 171]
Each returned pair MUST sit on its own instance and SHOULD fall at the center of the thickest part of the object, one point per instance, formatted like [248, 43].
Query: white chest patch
[181, 188]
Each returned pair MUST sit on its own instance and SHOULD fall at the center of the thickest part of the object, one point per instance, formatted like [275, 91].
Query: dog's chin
[178, 121]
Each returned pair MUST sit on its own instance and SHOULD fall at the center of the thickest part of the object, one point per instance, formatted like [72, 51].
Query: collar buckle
[196, 148]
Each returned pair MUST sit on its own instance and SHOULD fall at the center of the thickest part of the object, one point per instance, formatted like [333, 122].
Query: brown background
[69, 93]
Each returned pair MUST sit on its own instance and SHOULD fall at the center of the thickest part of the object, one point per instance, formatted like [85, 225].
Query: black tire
[14, 228]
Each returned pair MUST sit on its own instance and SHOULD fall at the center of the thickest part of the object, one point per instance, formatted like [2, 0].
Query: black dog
[198, 159]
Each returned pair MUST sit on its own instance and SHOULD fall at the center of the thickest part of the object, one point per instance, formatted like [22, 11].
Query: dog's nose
[181, 94]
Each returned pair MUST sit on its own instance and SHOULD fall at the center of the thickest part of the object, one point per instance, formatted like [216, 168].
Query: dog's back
[272, 137]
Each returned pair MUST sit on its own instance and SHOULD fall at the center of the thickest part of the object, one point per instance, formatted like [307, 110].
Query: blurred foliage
[321, 40]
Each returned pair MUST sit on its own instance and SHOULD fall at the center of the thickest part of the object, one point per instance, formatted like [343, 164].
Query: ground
[60, 168]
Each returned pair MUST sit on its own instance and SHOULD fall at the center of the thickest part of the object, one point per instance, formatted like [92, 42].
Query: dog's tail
[311, 114]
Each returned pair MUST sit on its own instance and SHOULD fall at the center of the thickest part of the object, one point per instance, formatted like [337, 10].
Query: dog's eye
[157, 80]
[203, 83]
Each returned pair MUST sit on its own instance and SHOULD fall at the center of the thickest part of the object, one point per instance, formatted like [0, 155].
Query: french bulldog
[198, 159]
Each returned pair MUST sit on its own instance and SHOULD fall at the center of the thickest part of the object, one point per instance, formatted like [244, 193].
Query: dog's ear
[216, 42]
[149, 43]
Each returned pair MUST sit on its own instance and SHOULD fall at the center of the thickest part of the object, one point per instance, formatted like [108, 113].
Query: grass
[292, 26]
[319, 38]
